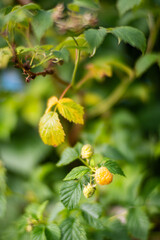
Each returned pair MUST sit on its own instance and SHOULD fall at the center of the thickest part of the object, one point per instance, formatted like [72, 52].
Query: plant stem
[154, 29]
[65, 91]
[76, 63]
[106, 104]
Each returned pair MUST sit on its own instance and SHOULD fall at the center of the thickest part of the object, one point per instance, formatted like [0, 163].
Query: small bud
[87, 151]
[89, 190]
[29, 228]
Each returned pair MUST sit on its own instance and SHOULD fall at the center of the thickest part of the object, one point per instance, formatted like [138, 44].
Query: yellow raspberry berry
[103, 176]
[87, 151]
[89, 190]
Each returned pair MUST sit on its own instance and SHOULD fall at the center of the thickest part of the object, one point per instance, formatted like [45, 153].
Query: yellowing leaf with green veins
[71, 110]
[50, 103]
[51, 130]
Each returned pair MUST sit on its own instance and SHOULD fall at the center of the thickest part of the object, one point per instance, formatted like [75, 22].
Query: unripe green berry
[89, 190]
[87, 151]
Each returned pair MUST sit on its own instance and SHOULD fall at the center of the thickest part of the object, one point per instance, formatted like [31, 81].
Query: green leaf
[3, 205]
[145, 62]
[72, 230]
[95, 37]
[52, 232]
[41, 209]
[69, 43]
[116, 230]
[125, 5]
[62, 54]
[92, 213]
[5, 55]
[38, 233]
[113, 167]
[31, 6]
[77, 172]
[70, 110]
[51, 130]
[110, 152]
[138, 223]
[41, 22]
[68, 156]
[91, 4]
[70, 193]
[130, 35]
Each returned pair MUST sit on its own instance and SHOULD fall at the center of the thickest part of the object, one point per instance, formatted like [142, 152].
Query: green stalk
[76, 63]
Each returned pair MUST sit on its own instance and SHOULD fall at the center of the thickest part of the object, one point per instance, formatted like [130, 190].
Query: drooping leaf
[95, 37]
[125, 5]
[52, 232]
[130, 35]
[71, 110]
[92, 213]
[51, 130]
[113, 167]
[72, 230]
[145, 62]
[70, 193]
[50, 103]
[41, 22]
[77, 172]
[138, 223]
[38, 233]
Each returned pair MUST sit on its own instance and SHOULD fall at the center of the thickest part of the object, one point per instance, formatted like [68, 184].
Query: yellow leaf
[51, 130]
[51, 102]
[71, 110]
[99, 71]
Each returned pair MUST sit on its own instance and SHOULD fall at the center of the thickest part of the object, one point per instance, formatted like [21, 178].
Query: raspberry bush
[79, 120]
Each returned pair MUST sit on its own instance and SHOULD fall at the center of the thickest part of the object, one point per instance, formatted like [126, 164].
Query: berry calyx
[103, 176]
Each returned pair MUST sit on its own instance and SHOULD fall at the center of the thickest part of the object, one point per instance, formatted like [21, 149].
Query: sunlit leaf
[50, 103]
[51, 130]
[71, 110]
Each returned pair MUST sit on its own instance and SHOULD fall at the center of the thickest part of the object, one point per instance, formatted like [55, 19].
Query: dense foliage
[79, 109]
